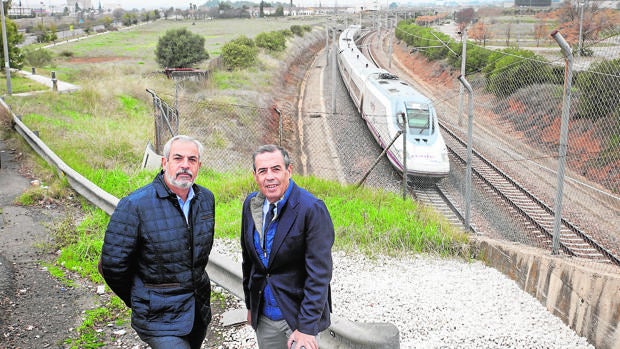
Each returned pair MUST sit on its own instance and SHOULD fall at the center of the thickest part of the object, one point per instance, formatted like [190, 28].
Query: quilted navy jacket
[155, 261]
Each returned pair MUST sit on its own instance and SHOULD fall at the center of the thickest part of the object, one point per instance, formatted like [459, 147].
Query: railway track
[536, 216]
[436, 196]
[524, 207]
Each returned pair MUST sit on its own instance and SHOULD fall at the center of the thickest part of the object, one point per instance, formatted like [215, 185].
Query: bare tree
[507, 30]
[480, 32]
[540, 31]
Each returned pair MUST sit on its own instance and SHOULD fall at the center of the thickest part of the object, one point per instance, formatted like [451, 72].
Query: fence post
[54, 81]
[563, 137]
[469, 153]
[404, 129]
[280, 126]
[166, 121]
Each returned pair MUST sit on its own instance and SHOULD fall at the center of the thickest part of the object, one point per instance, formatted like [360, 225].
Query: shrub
[180, 48]
[511, 69]
[287, 33]
[600, 95]
[239, 53]
[66, 53]
[37, 58]
[297, 30]
[272, 41]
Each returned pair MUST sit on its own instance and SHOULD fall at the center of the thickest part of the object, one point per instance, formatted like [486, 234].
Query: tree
[168, 12]
[108, 23]
[118, 14]
[129, 18]
[464, 17]
[540, 31]
[508, 30]
[180, 48]
[13, 38]
[45, 34]
[480, 32]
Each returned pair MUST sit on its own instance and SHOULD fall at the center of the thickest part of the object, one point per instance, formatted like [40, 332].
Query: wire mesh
[518, 98]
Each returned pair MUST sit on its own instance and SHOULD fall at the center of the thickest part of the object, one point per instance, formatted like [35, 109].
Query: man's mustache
[184, 171]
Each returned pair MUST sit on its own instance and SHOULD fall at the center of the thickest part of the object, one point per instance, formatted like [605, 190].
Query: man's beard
[181, 184]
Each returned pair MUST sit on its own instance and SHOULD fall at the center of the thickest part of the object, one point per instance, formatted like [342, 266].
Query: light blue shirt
[185, 205]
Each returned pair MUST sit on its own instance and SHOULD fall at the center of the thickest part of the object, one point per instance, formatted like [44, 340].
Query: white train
[385, 101]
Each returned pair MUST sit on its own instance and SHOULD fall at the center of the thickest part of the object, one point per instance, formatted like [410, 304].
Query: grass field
[138, 44]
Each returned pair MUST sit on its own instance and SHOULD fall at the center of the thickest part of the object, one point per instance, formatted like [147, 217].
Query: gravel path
[435, 303]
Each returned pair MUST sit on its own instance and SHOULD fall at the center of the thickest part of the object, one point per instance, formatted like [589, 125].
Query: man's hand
[299, 340]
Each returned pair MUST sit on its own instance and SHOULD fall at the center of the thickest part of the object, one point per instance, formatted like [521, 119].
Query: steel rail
[608, 256]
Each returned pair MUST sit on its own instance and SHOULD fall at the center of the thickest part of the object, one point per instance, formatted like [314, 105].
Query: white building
[82, 4]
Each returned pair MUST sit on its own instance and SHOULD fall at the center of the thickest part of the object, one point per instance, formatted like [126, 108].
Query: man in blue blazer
[286, 239]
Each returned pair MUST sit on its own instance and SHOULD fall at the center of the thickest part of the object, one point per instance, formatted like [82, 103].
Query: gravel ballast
[434, 303]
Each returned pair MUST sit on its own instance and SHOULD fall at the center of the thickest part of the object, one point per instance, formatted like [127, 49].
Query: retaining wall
[584, 297]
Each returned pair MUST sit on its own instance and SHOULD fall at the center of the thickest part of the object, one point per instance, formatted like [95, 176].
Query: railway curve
[536, 217]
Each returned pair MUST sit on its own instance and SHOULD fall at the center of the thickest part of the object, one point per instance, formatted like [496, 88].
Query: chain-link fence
[520, 96]
[518, 103]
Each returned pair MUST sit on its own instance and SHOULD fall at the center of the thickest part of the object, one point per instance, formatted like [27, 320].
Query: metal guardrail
[342, 334]
[79, 183]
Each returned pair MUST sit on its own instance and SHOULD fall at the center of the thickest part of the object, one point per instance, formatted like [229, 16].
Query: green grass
[20, 84]
[59, 274]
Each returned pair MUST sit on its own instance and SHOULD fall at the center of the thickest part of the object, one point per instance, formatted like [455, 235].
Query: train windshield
[419, 116]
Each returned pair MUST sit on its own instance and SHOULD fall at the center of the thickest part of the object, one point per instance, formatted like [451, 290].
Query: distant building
[82, 4]
[533, 3]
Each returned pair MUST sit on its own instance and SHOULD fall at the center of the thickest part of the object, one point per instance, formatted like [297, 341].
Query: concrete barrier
[584, 295]
[151, 160]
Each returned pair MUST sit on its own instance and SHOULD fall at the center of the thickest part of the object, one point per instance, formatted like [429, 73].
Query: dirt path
[319, 155]
[36, 310]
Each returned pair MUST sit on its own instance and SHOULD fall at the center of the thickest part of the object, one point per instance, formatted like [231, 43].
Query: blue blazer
[299, 270]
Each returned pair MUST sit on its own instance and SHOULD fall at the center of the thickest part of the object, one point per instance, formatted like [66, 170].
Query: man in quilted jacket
[156, 248]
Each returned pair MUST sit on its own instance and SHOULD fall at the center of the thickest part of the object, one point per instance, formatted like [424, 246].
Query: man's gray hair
[271, 148]
[183, 138]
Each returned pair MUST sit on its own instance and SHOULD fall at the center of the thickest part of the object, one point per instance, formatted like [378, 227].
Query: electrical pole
[7, 65]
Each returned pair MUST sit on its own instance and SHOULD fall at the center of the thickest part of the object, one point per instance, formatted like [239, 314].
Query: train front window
[418, 116]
